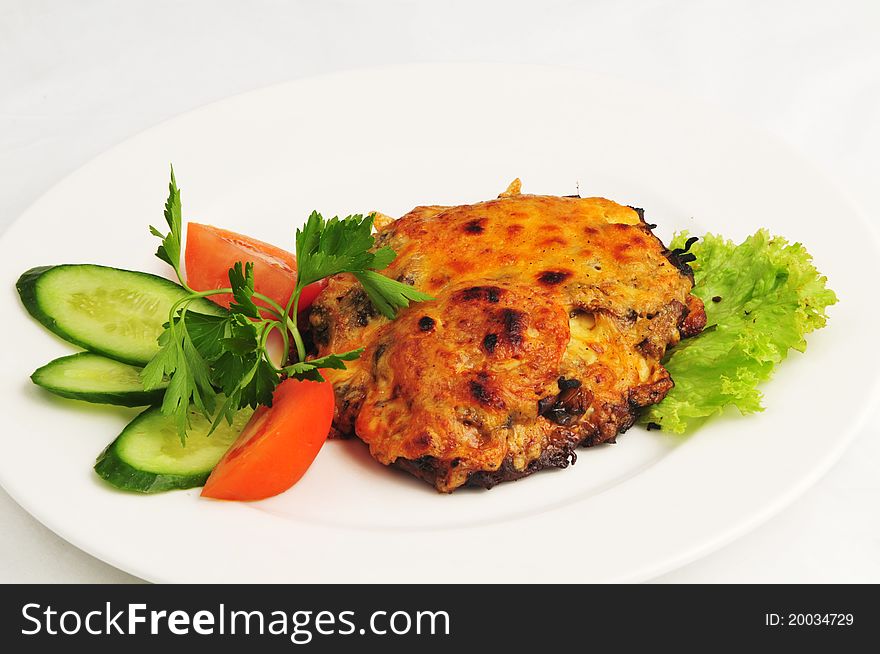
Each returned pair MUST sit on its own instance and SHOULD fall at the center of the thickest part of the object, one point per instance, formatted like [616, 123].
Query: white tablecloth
[79, 77]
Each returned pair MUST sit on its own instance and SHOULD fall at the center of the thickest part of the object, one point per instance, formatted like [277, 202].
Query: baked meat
[551, 317]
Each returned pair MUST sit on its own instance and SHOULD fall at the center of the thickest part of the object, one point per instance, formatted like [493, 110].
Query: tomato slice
[211, 252]
[278, 444]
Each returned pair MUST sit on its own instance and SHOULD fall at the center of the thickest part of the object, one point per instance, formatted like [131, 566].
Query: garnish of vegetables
[203, 357]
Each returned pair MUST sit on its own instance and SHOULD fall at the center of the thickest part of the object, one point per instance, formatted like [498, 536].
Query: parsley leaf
[388, 295]
[311, 370]
[325, 248]
[242, 284]
[206, 333]
[169, 251]
[189, 372]
[241, 336]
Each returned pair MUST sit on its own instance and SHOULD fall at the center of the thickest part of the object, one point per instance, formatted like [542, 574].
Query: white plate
[387, 140]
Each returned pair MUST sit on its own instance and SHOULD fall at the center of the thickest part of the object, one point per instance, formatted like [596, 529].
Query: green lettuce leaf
[767, 297]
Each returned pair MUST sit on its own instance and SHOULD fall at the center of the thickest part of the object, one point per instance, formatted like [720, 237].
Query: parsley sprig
[222, 359]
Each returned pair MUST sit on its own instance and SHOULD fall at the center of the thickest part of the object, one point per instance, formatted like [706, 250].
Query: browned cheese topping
[550, 320]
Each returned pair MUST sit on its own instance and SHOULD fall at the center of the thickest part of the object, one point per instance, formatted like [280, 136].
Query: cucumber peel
[96, 379]
[117, 313]
[148, 457]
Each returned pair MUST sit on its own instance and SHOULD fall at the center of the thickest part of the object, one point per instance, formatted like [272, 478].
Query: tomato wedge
[211, 252]
[277, 445]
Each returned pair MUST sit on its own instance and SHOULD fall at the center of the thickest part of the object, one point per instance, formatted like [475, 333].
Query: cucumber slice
[93, 378]
[147, 456]
[117, 313]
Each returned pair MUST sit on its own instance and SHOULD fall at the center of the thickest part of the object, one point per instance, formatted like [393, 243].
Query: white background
[79, 77]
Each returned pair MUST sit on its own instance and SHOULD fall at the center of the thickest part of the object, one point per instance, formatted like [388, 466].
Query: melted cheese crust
[550, 320]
